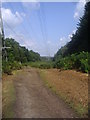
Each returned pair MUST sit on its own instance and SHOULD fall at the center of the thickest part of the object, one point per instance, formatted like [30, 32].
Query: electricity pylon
[2, 38]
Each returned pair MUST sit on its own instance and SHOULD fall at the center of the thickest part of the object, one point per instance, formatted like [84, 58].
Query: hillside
[79, 40]
[17, 55]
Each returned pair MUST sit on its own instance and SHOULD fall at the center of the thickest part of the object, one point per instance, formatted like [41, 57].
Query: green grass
[9, 99]
[82, 111]
[41, 64]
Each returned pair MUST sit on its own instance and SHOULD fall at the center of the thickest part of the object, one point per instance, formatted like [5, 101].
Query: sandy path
[34, 100]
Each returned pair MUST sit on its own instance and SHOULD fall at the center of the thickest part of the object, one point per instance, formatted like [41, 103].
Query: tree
[79, 41]
[19, 53]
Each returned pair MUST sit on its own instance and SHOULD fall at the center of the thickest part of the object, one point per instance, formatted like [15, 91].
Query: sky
[43, 27]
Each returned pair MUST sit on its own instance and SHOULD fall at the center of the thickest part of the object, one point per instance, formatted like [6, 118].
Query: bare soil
[35, 100]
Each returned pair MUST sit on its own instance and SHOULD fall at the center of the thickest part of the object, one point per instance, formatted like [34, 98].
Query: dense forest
[75, 53]
[19, 53]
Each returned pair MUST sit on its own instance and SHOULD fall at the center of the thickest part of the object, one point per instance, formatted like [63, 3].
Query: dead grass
[70, 85]
[8, 97]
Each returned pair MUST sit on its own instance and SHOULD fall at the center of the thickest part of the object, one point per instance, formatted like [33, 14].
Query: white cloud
[29, 44]
[12, 19]
[79, 11]
[63, 41]
[20, 38]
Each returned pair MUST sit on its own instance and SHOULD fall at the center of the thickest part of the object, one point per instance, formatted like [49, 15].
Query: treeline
[16, 56]
[75, 53]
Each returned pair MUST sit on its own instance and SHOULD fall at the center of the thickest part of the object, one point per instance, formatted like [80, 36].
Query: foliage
[16, 65]
[17, 55]
[6, 68]
[74, 61]
[75, 54]
[79, 40]
[41, 64]
[45, 66]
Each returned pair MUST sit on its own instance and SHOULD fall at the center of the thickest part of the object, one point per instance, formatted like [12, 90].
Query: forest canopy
[19, 53]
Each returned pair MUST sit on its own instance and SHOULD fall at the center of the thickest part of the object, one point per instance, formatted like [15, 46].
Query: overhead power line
[42, 19]
[43, 25]
[12, 30]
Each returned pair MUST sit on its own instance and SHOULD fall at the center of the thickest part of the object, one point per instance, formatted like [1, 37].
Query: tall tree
[79, 41]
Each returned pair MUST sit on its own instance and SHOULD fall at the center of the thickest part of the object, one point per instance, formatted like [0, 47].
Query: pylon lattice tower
[2, 38]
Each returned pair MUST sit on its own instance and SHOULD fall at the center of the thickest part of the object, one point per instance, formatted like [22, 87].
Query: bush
[16, 65]
[6, 68]
[78, 61]
[45, 66]
[84, 66]
[63, 63]
[41, 64]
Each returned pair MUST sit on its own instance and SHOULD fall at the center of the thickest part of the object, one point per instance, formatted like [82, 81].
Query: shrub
[78, 61]
[45, 66]
[16, 65]
[84, 65]
[6, 68]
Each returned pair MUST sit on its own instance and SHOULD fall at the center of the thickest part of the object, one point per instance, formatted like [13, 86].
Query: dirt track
[34, 100]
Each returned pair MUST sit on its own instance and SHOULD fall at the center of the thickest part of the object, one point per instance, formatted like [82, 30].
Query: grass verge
[8, 98]
[78, 107]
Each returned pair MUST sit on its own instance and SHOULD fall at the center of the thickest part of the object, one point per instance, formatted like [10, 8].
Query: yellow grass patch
[70, 85]
[8, 97]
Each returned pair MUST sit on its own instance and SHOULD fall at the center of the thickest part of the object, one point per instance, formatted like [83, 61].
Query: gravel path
[35, 100]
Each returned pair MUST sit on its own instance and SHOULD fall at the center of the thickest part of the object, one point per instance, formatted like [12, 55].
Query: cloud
[63, 41]
[29, 44]
[12, 19]
[79, 11]
[20, 38]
